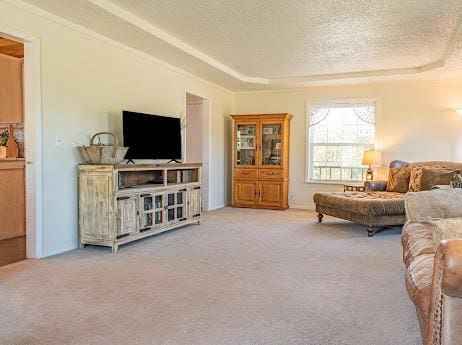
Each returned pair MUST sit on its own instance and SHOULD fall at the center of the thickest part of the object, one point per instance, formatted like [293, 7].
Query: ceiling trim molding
[69, 24]
[166, 37]
[304, 88]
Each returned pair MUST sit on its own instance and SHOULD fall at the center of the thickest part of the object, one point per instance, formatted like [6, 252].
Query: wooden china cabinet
[261, 160]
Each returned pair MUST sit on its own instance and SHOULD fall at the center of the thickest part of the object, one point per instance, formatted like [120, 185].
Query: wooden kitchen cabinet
[12, 212]
[261, 160]
[11, 89]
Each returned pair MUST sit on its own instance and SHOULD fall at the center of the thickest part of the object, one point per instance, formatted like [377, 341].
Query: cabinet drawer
[271, 173]
[245, 173]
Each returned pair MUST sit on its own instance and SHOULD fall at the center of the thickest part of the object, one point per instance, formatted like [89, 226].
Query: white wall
[416, 121]
[194, 112]
[86, 83]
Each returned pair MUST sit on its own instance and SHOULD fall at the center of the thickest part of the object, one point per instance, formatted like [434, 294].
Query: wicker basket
[103, 154]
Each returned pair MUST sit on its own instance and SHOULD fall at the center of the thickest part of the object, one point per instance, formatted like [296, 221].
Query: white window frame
[334, 103]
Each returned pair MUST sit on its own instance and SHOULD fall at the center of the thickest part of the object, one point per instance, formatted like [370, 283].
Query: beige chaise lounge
[375, 207]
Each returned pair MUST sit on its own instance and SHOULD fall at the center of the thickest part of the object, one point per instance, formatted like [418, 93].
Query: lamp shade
[372, 157]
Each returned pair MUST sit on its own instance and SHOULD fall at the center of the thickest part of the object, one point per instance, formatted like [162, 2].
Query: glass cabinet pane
[159, 217]
[179, 197]
[246, 144]
[171, 214]
[147, 220]
[271, 144]
[179, 212]
[158, 201]
[147, 204]
[170, 199]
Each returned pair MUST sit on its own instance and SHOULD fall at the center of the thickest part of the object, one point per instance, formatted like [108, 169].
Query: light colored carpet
[242, 277]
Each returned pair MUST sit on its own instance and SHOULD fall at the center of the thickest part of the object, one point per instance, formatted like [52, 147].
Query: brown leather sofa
[375, 207]
[434, 277]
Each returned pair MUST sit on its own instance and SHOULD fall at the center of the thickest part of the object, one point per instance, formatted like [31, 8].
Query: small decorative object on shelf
[11, 146]
[4, 134]
[371, 158]
[353, 187]
[457, 181]
[103, 153]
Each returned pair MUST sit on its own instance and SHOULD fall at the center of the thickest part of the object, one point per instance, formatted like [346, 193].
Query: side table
[353, 187]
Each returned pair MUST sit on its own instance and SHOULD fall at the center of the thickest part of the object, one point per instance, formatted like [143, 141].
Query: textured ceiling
[259, 44]
[274, 38]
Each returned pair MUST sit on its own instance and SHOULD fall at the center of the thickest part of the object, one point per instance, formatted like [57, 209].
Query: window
[338, 135]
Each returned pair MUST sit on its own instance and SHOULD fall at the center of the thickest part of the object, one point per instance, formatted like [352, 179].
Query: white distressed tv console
[123, 203]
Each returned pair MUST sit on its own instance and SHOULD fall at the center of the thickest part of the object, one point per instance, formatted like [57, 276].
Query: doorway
[197, 139]
[12, 161]
[27, 168]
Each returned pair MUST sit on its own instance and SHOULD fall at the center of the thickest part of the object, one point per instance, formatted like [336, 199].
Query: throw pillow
[436, 176]
[444, 229]
[414, 181]
[398, 180]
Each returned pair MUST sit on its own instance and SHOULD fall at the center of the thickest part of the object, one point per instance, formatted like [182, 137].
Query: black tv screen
[151, 136]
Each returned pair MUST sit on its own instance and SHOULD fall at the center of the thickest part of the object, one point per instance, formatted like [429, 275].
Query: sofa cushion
[415, 179]
[417, 239]
[444, 229]
[398, 180]
[437, 203]
[436, 176]
[419, 276]
[369, 204]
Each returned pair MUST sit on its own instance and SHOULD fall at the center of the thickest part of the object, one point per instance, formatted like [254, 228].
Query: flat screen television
[151, 136]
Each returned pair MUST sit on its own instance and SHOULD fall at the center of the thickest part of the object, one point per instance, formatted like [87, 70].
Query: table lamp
[371, 158]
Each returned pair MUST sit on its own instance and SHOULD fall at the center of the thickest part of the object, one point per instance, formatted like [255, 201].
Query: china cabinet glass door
[271, 144]
[246, 144]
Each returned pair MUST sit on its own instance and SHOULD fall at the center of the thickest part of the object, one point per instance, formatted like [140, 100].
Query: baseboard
[302, 207]
[64, 248]
[217, 207]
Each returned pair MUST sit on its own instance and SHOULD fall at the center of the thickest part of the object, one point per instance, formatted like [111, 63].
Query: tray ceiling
[242, 44]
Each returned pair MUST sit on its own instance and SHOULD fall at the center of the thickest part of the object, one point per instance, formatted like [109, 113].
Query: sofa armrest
[445, 321]
[375, 186]
[450, 257]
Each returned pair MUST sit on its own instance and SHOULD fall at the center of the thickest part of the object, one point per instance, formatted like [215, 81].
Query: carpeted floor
[243, 276]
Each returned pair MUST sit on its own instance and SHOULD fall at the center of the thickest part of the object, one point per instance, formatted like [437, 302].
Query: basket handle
[116, 141]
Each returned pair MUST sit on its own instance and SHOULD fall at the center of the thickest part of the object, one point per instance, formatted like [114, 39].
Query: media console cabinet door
[176, 206]
[194, 201]
[96, 205]
[127, 215]
[152, 210]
